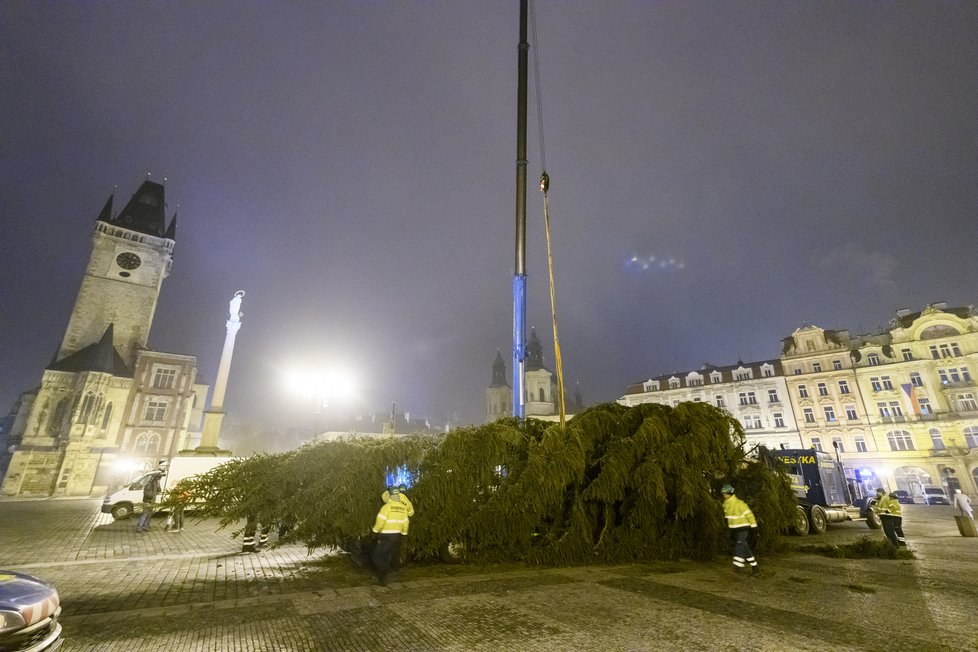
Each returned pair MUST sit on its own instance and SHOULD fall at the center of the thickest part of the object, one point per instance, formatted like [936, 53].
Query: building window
[873, 359]
[695, 382]
[802, 391]
[88, 405]
[816, 367]
[936, 439]
[895, 409]
[809, 415]
[829, 413]
[875, 384]
[883, 408]
[746, 374]
[60, 413]
[843, 387]
[778, 420]
[837, 364]
[907, 355]
[851, 413]
[772, 396]
[967, 403]
[748, 398]
[924, 403]
[887, 382]
[900, 440]
[163, 379]
[838, 445]
[798, 371]
[720, 402]
[860, 444]
[971, 437]
[155, 411]
[715, 377]
[817, 443]
[823, 390]
[107, 417]
[147, 443]
[944, 350]
[752, 422]
[916, 380]
[674, 383]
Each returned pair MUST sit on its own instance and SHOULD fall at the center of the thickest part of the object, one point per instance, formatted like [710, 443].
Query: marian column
[215, 415]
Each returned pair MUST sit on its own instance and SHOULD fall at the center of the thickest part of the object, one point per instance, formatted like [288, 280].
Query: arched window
[900, 440]
[936, 439]
[142, 443]
[971, 436]
[542, 397]
[60, 413]
[86, 410]
[106, 417]
[154, 443]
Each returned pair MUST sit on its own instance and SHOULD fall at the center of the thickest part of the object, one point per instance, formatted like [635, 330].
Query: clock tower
[131, 255]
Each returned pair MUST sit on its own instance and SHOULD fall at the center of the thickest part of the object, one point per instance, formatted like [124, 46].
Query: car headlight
[10, 621]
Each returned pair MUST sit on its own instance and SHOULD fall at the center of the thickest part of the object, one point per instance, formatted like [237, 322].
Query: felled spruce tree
[615, 484]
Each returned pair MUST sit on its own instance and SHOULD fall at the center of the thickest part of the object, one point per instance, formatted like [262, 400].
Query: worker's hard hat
[880, 490]
[402, 487]
[395, 489]
[727, 489]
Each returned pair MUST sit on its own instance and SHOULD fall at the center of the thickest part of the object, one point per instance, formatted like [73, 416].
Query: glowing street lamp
[322, 386]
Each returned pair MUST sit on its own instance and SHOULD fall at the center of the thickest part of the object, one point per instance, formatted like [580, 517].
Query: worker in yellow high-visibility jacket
[386, 497]
[740, 521]
[390, 525]
[891, 514]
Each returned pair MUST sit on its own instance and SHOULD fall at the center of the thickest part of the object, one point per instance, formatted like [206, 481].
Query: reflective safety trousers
[738, 513]
[392, 518]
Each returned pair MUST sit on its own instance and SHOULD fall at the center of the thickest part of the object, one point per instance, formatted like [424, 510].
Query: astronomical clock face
[128, 260]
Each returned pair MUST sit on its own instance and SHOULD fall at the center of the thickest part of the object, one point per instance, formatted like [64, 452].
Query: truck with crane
[824, 496]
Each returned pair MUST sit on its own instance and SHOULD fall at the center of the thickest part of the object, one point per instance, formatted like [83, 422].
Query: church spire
[171, 231]
[499, 371]
[145, 211]
[534, 352]
[106, 214]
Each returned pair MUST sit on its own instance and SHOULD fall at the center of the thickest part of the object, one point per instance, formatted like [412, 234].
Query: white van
[124, 502]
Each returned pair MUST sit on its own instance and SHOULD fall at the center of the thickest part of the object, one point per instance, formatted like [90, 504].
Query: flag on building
[910, 398]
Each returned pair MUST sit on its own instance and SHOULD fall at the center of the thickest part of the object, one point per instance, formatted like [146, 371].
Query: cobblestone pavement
[194, 590]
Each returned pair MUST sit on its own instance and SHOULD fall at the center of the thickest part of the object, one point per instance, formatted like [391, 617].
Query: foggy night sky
[351, 166]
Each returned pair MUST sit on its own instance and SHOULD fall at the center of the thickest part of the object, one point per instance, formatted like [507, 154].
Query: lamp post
[321, 386]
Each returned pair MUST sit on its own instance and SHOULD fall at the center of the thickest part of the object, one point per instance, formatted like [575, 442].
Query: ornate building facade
[899, 407]
[106, 398]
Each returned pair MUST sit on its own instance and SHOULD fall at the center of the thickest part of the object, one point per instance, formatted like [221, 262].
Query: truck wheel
[873, 520]
[800, 526]
[818, 520]
[451, 552]
[122, 511]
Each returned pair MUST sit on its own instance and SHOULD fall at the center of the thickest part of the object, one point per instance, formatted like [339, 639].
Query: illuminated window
[900, 440]
[925, 406]
[829, 413]
[875, 384]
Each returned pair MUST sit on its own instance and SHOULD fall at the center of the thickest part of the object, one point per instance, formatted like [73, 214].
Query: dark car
[903, 497]
[935, 496]
[29, 611]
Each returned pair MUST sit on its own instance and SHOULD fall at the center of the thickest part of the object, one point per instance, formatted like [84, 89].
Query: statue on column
[234, 308]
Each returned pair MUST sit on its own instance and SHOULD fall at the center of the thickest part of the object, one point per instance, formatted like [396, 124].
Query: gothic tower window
[106, 417]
